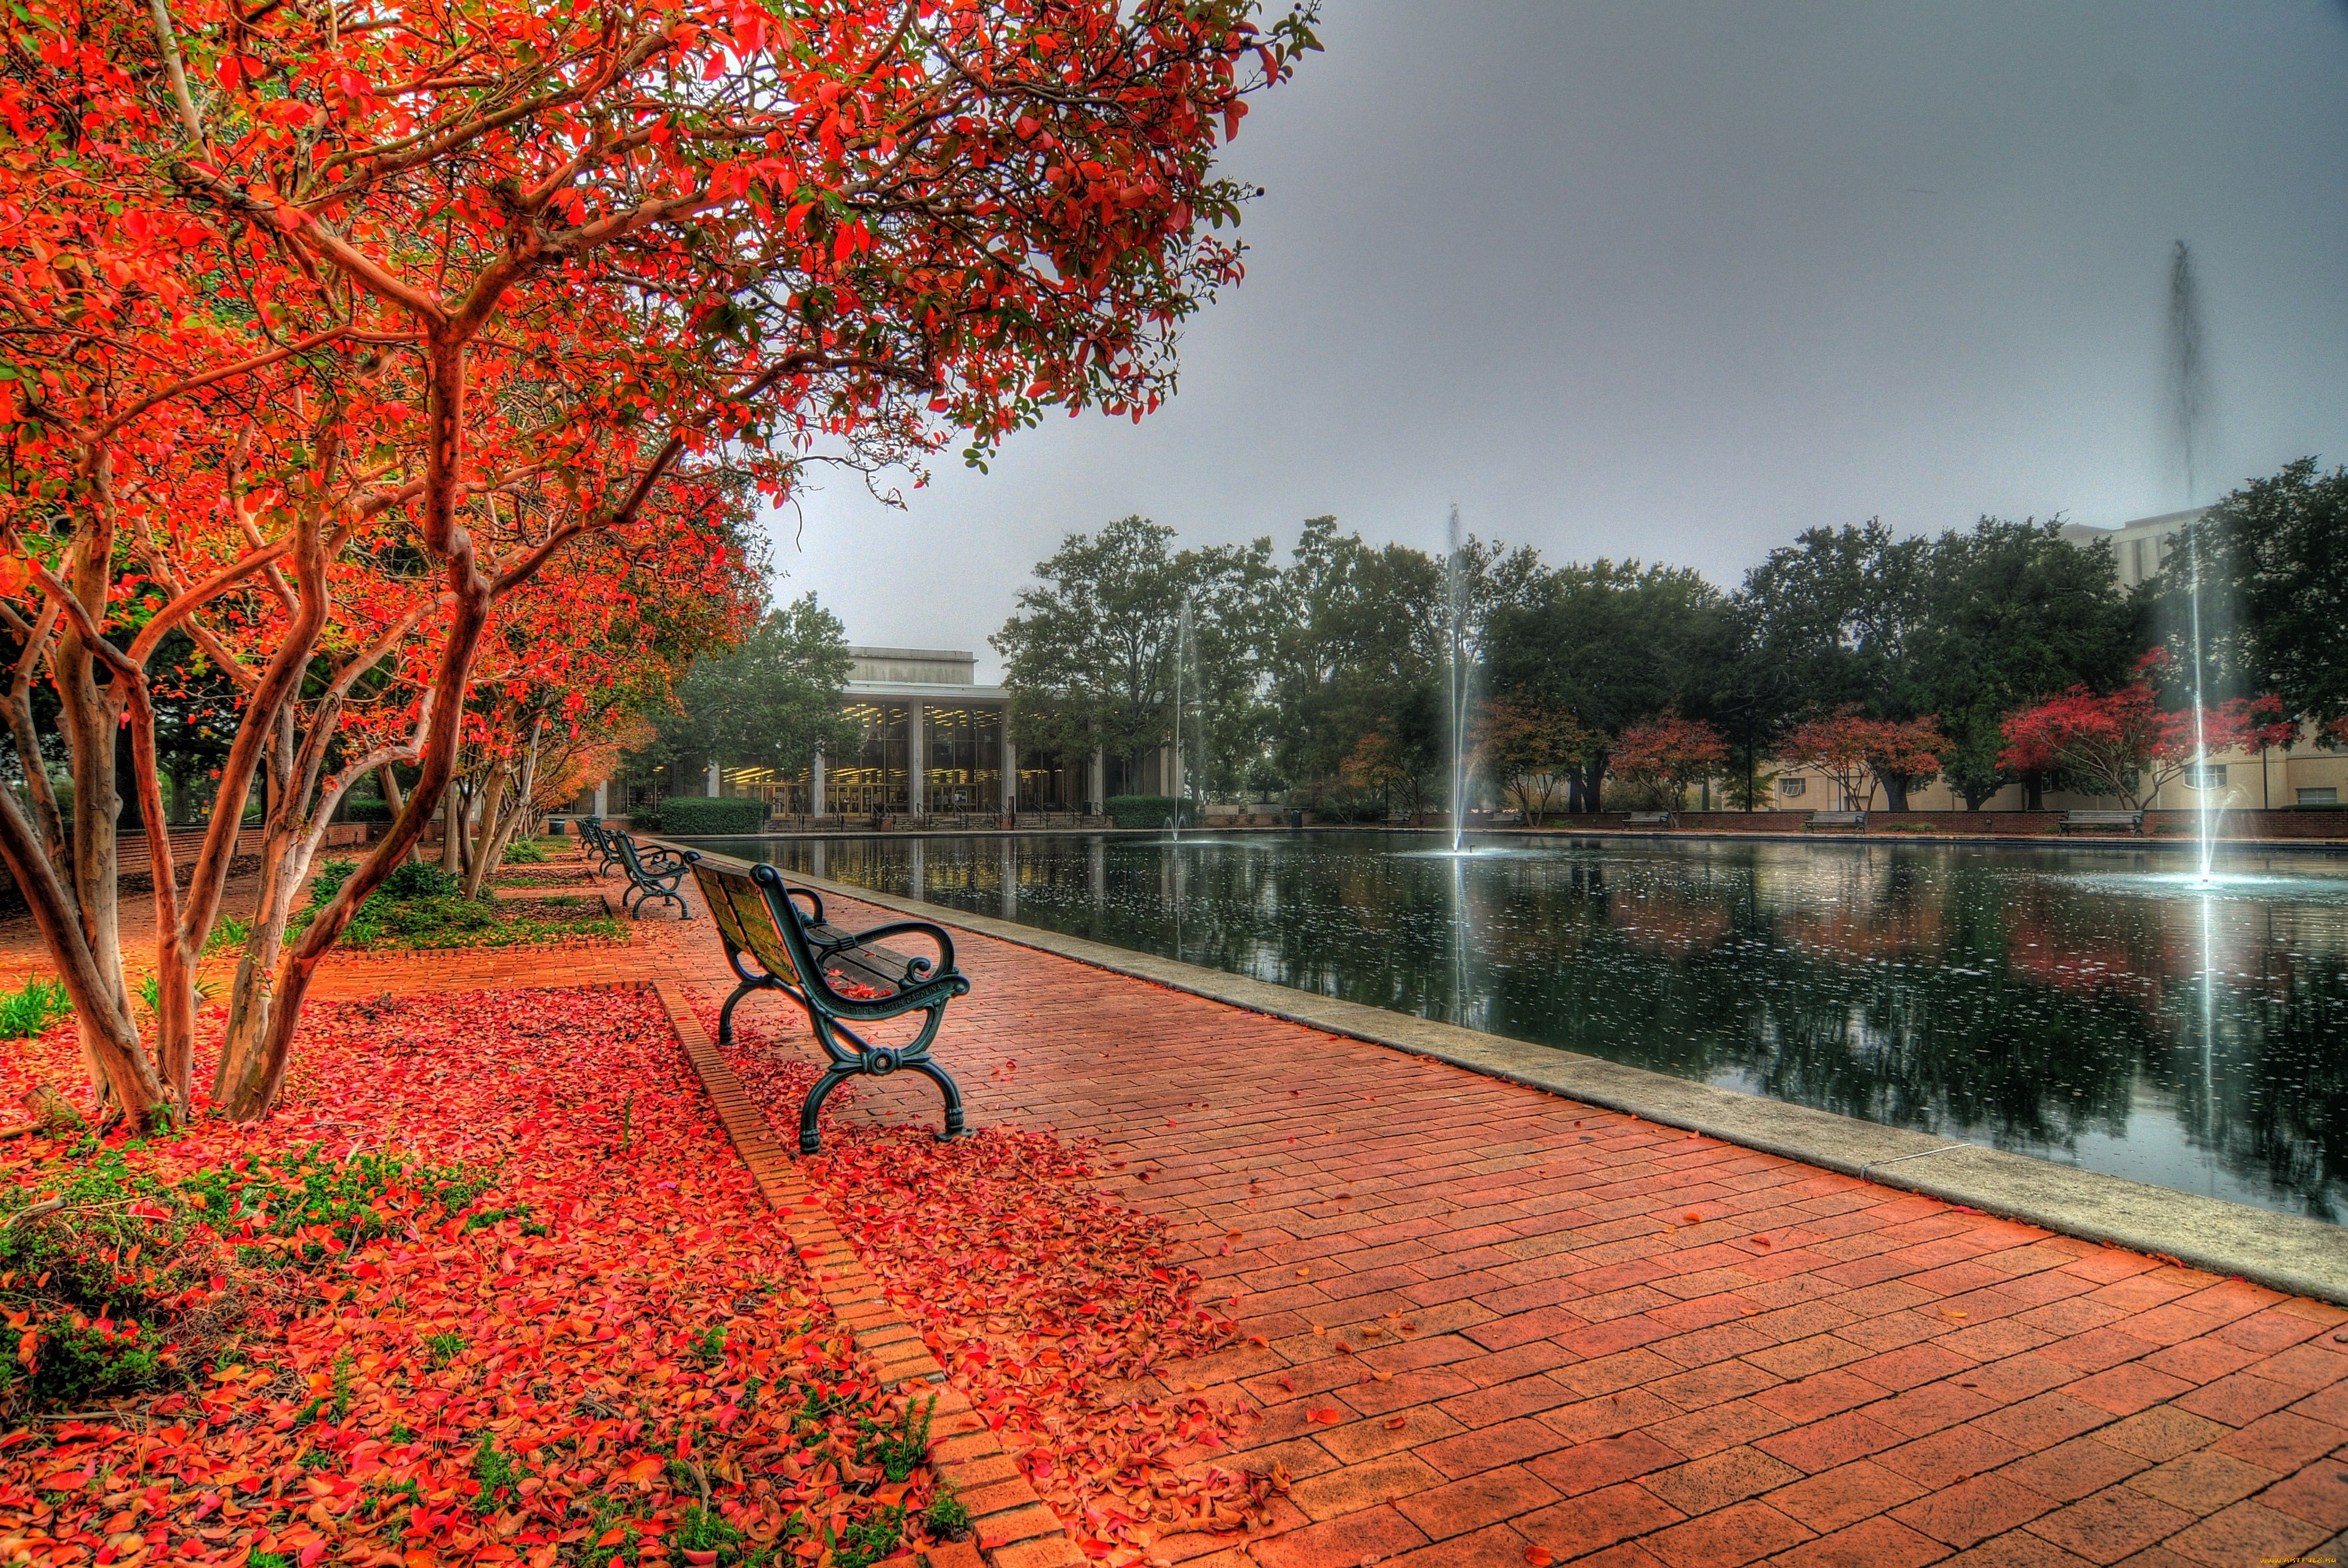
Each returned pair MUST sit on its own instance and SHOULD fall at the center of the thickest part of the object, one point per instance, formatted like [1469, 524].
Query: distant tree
[2274, 568]
[1658, 759]
[1832, 615]
[1526, 747]
[1853, 750]
[2123, 744]
[1614, 644]
[1090, 655]
[2012, 612]
[1402, 754]
[769, 702]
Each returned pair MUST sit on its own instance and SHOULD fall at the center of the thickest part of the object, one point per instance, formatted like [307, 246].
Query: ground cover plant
[461, 1303]
[421, 906]
[1061, 1313]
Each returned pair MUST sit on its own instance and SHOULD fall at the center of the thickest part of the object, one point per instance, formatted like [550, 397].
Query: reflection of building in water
[930, 741]
[2307, 776]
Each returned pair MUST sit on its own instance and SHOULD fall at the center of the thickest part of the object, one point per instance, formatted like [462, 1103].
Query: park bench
[1647, 820]
[2127, 821]
[651, 874]
[597, 840]
[1816, 820]
[836, 977]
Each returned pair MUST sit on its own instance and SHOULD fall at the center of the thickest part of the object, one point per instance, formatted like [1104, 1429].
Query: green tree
[1089, 656]
[769, 702]
[2012, 614]
[1612, 644]
[1364, 634]
[2274, 572]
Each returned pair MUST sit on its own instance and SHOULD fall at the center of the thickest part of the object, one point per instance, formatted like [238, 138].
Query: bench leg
[725, 1013]
[810, 1141]
[946, 1086]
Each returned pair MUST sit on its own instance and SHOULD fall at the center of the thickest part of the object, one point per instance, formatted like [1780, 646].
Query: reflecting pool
[2088, 1004]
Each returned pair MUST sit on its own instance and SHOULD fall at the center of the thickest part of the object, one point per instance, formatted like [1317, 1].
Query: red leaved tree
[1526, 745]
[2123, 744]
[332, 331]
[1860, 753]
[1659, 758]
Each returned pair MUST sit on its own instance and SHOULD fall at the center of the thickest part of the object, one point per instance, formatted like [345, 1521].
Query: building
[2305, 776]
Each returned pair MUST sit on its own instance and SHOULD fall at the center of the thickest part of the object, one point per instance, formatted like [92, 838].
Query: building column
[710, 785]
[815, 784]
[1010, 805]
[1099, 788]
[602, 789]
[916, 761]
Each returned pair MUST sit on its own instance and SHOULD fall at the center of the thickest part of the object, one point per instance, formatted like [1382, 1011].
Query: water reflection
[2082, 1003]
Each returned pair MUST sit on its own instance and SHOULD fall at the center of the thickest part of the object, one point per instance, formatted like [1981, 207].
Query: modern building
[933, 742]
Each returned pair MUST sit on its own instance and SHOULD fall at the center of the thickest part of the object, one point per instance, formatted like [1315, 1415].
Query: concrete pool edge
[2283, 1251]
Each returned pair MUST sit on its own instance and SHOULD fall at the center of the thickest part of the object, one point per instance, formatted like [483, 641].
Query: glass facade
[872, 780]
[962, 758]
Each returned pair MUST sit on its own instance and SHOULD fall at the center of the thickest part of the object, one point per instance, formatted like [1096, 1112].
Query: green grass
[421, 907]
[29, 1012]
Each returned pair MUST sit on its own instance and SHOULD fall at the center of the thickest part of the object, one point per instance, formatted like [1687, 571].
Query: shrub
[369, 811]
[692, 814]
[525, 853]
[1151, 811]
[418, 879]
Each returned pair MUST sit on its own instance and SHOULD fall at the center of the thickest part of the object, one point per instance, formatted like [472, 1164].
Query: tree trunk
[492, 804]
[452, 830]
[387, 779]
[1598, 782]
[2033, 784]
[1895, 791]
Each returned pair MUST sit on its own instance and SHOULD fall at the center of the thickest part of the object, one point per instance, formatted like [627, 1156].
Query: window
[2323, 795]
[1792, 785]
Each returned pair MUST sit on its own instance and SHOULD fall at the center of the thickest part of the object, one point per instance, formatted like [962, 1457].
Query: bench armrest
[815, 902]
[945, 961]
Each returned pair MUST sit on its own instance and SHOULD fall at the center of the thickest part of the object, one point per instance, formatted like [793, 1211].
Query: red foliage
[2125, 745]
[1059, 1312]
[654, 1337]
[1669, 752]
[1849, 749]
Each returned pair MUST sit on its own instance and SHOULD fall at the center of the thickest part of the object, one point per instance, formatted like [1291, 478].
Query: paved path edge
[1015, 1528]
[2288, 1252]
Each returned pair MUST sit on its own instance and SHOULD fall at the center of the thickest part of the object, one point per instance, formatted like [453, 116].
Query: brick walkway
[1491, 1330]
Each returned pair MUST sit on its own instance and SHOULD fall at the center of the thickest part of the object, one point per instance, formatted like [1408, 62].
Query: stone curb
[2283, 1251]
[1014, 1529]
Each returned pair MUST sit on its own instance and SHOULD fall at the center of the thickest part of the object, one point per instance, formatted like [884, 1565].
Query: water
[2092, 1005]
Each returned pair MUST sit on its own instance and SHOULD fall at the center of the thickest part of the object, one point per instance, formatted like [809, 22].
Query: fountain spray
[1181, 652]
[1455, 583]
[2189, 384]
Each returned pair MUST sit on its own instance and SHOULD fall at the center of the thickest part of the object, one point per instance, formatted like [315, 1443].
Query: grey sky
[1674, 281]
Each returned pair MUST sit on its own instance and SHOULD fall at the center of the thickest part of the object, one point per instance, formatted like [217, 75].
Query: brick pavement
[1487, 1329]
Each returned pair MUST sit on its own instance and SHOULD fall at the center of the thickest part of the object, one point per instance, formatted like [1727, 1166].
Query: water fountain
[2189, 388]
[1454, 584]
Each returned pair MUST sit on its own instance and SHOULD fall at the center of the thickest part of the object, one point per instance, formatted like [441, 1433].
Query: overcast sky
[1674, 281]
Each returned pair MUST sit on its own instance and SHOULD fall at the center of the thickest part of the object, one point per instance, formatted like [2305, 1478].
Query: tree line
[2001, 653]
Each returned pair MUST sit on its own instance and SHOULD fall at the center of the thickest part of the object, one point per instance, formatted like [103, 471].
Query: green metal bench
[837, 978]
[653, 873]
[598, 839]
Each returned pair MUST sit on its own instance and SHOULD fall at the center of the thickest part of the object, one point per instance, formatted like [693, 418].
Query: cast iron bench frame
[2132, 820]
[1856, 821]
[598, 839]
[757, 915]
[648, 881]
